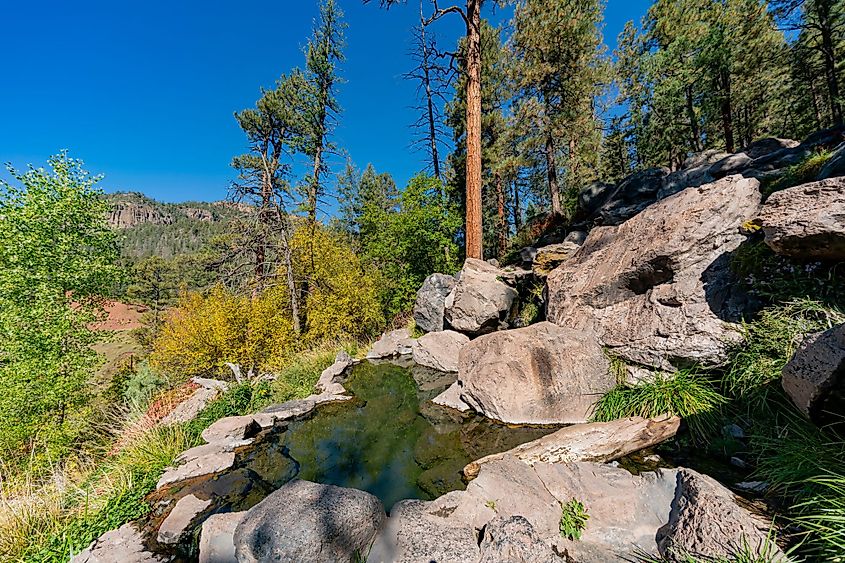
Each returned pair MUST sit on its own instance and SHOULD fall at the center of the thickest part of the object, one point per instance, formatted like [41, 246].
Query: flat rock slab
[124, 545]
[540, 374]
[217, 544]
[439, 350]
[183, 516]
[807, 222]
[190, 408]
[216, 460]
[304, 521]
[595, 441]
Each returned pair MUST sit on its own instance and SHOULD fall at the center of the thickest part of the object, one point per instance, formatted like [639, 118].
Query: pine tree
[322, 56]
[560, 70]
[470, 12]
[275, 129]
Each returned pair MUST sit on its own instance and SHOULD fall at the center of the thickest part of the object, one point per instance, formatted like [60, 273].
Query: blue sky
[144, 92]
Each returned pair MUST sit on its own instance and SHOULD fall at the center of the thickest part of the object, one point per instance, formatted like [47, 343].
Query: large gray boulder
[540, 374]
[813, 378]
[431, 302]
[658, 288]
[481, 301]
[807, 222]
[305, 521]
[418, 531]
[515, 508]
[706, 521]
[768, 145]
[835, 166]
[439, 350]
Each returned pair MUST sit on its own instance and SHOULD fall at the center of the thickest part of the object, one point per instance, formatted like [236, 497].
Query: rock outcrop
[304, 521]
[657, 289]
[481, 301]
[815, 376]
[439, 350]
[392, 344]
[547, 258]
[539, 374]
[706, 521]
[431, 302]
[807, 222]
[126, 214]
[520, 507]
[596, 441]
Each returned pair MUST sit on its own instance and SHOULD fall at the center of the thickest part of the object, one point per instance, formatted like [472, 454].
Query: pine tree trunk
[517, 212]
[725, 108]
[694, 130]
[817, 112]
[432, 129]
[551, 172]
[823, 9]
[294, 298]
[315, 185]
[474, 248]
[500, 212]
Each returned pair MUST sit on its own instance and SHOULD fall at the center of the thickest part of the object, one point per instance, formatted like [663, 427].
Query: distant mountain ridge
[153, 228]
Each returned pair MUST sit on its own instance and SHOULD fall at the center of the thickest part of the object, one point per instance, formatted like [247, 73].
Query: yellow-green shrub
[343, 299]
[207, 330]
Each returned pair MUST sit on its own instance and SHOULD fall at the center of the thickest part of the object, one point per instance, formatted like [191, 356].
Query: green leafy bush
[573, 519]
[57, 255]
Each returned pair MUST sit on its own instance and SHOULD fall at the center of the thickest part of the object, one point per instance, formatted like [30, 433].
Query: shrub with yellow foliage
[207, 330]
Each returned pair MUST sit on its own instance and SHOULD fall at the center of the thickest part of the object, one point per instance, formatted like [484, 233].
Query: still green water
[389, 440]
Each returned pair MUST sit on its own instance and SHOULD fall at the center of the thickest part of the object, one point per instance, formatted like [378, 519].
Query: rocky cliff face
[131, 209]
[125, 215]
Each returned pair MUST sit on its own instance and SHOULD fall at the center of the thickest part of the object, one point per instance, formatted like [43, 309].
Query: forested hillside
[152, 228]
[603, 321]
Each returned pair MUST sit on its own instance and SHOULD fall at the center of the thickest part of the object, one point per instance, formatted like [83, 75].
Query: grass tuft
[685, 393]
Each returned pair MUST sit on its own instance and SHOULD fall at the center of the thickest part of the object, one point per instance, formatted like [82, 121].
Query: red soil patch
[120, 316]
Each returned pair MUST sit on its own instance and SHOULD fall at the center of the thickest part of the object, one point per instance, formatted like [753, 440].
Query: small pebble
[738, 462]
